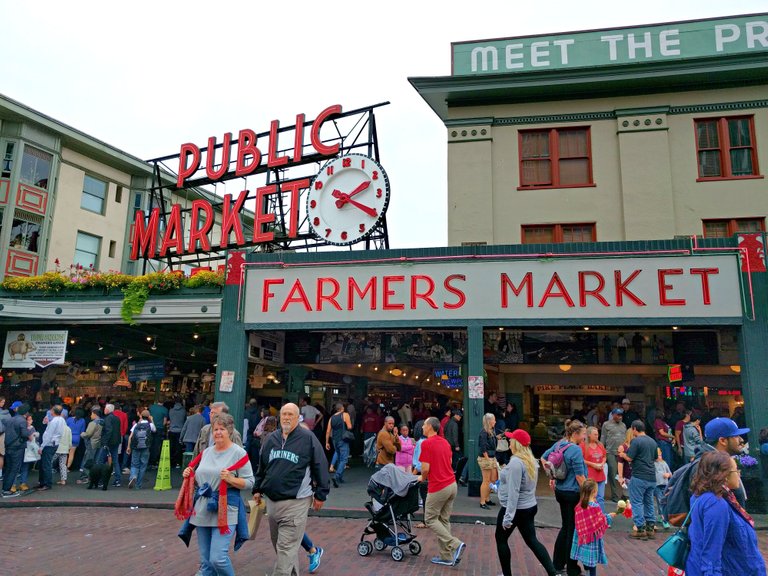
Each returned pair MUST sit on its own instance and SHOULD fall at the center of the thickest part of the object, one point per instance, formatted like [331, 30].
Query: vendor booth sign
[30, 348]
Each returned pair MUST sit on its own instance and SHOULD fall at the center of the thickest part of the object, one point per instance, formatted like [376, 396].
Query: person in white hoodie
[62, 453]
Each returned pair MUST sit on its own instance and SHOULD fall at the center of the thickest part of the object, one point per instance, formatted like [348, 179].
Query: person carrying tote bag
[722, 534]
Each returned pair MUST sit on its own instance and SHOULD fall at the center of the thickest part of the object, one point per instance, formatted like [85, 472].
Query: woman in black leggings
[517, 496]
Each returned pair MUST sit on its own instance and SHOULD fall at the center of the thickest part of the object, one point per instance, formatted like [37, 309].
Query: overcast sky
[147, 76]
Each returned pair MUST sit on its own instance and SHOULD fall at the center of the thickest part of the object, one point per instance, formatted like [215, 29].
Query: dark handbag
[348, 436]
[675, 549]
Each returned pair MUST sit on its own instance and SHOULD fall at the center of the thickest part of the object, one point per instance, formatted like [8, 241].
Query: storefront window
[7, 166]
[36, 167]
[25, 234]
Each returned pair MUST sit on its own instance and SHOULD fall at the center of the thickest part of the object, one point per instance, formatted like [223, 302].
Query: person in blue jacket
[722, 533]
[567, 493]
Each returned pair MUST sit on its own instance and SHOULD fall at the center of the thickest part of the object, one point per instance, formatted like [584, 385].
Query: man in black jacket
[111, 439]
[16, 436]
[292, 474]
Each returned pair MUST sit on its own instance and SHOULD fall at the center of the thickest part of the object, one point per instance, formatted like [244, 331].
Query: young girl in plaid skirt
[591, 524]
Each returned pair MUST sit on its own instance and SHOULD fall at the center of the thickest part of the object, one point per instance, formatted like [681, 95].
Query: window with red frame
[726, 228]
[558, 233]
[556, 158]
[726, 147]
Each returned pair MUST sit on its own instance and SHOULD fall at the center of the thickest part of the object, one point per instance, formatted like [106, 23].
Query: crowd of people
[95, 433]
[667, 466]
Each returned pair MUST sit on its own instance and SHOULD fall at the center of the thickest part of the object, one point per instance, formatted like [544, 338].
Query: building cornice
[107, 311]
[609, 114]
[718, 107]
[445, 92]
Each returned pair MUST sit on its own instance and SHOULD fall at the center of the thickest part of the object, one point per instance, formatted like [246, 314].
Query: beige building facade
[609, 151]
[67, 198]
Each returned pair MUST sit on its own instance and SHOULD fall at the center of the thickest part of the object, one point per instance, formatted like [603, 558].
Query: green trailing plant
[136, 289]
[135, 295]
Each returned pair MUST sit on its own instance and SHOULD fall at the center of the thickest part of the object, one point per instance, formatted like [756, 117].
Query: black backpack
[140, 438]
[677, 496]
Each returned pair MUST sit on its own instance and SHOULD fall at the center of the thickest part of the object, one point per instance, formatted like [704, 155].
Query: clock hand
[367, 209]
[345, 198]
[360, 188]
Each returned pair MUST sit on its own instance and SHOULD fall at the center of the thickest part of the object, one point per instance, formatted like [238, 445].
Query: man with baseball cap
[612, 436]
[721, 434]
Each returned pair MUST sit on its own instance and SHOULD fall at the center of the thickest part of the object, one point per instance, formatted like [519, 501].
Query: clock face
[347, 199]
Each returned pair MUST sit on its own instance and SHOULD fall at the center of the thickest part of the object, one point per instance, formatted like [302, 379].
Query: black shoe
[490, 503]
[335, 484]
[485, 506]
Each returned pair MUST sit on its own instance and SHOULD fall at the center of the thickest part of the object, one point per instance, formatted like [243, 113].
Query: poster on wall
[30, 348]
[503, 346]
[267, 347]
[476, 387]
[423, 346]
[560, 347]
[302, 347]
[348, 347]
[227, 381]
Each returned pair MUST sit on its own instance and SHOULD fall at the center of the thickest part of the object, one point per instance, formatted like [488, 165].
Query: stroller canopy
[395, 479]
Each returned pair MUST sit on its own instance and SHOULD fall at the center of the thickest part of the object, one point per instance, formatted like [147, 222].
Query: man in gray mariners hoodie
[293, 475]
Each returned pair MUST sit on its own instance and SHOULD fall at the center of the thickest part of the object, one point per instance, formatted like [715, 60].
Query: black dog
[99, 474]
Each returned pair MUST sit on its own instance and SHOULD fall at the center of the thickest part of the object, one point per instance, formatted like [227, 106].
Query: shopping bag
[257, 512]
[31, 452]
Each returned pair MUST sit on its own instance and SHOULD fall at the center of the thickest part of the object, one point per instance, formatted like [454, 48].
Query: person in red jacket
[125, 459]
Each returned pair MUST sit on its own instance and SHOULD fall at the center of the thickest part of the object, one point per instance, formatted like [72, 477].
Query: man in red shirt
[436, 468]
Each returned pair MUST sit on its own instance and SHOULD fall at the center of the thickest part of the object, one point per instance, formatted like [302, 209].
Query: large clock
[347, 199]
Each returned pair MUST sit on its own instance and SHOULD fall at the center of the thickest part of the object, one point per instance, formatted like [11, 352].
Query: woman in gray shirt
[517, 496]
[214, 468]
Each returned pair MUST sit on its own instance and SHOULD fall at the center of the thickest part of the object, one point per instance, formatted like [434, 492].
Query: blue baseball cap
[722, 428]
[16, 405]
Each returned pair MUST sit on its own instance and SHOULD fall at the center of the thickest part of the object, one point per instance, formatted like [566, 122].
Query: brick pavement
[98, 541]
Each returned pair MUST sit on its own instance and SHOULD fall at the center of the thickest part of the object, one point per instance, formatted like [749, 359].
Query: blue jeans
[189, 446]
[46, 466]
[641, 497]
[24, 474]
[139, 462]
[14, 459]
[342, 450]
[105, 451]
[306, 543]
[601, 495]
[659, 493]
[214, 551]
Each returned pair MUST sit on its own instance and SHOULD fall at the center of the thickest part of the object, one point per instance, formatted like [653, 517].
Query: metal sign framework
[354, 131]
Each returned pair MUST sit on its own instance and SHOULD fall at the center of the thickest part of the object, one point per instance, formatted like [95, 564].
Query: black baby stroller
[394, 498]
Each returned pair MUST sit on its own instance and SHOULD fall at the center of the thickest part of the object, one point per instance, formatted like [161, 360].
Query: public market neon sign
[248, 157]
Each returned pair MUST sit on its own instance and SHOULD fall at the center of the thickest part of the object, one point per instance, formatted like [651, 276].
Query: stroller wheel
[414, 548]
[379, 544]
[364, 548]
[397, 554]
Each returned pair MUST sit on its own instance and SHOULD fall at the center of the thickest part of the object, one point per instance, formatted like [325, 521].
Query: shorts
[2, 444]
[486, 463]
